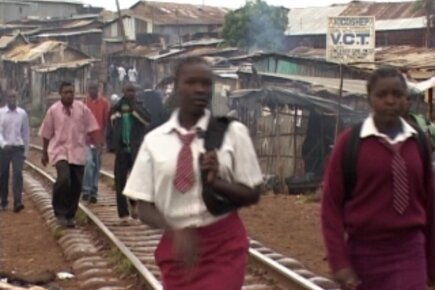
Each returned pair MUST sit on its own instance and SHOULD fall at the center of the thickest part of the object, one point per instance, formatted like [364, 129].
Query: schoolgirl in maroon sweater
[382, 238]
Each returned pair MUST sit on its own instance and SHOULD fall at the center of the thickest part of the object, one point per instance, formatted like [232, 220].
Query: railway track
[137, 242]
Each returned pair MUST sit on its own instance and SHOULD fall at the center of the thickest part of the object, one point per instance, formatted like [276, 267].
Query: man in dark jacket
[129, 122]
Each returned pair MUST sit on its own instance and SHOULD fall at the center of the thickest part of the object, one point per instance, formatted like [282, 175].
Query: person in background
[14, 146]
[4, 179]
[122, 75]
[64, 132]
[129, 122]
[388, 221]
[199, 250]
[418, 120]
[132, 75]
[100, 108]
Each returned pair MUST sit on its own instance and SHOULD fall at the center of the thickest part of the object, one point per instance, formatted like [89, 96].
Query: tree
[257, 26]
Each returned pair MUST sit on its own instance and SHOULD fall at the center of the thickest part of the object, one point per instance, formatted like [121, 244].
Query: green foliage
[256, 25]
[123, 265]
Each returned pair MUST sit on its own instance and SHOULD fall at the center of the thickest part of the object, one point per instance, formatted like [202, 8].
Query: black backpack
[213, 139]
[351, 157]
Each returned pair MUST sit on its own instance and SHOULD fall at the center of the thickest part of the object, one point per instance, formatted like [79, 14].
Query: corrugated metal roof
[64, 65]
[8, 39]
[389, 16]
[382, 11]
[400, 56]
[15, 2]
[401, 24]
[77, 2]
[69, 33]
[30, 52]
[200, 42]
[304, 21]
[165, 13]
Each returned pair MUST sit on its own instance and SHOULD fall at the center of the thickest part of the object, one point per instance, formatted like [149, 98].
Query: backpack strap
[423, 146]
[350, 161]
[214, 136]
[351, 157]
[216, 203]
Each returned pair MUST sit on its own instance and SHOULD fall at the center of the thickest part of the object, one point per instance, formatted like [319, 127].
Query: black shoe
[3, 207]
[93, 199]
[85, 197]
[18, 208]
[70, 223]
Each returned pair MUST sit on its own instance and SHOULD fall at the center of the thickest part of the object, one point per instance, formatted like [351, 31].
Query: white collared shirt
[153, 174]
[369, 129]
[14, 127]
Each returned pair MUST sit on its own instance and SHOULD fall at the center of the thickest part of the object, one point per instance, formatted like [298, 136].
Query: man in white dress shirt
[14, 145]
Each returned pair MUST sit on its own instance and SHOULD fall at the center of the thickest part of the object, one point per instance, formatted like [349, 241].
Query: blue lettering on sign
[351, 38]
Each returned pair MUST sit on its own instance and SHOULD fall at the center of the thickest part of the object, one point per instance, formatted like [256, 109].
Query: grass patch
[82, 218]
[57, 233]
[123, 265]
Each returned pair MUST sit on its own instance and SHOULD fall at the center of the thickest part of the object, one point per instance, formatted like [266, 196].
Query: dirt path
[27, 247]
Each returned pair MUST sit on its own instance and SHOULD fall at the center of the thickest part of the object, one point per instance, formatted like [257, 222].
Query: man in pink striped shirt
[64, 130]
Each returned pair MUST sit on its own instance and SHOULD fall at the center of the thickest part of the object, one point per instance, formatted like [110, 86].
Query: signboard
[351, 39]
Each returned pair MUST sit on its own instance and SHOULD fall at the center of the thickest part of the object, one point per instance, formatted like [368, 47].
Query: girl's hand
[186, 247]
[210, 164]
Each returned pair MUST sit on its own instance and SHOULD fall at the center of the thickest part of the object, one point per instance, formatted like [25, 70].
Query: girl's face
[194, 88]
[387, 99]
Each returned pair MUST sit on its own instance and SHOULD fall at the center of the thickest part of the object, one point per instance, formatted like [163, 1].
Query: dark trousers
[14, 155]
[67, 189]
[123, 165]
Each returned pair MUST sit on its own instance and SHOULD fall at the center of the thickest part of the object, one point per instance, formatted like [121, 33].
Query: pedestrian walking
[129, 122]
[4, 179]
[193, 193]
[377, 205]
[132, 75]
[100, 108]
[64, 132]
[14, 146]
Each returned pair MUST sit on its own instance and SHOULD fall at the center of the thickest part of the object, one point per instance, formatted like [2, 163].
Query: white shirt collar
[174, 124]
[369, 129]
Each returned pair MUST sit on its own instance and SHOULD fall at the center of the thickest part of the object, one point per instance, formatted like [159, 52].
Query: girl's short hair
[384, 72]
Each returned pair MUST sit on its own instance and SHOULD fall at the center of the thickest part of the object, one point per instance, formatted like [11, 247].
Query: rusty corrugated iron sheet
[30, 52]
[399, 56]
[382, 11]
[389, 16]
[164, 13]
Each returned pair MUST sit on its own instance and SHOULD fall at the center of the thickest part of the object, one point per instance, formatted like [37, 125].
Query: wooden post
[121, 27]
[340, 96]
[295, 139]
[278, 154]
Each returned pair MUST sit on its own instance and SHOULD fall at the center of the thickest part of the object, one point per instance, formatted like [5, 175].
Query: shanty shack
[36, 70]
[292, 132]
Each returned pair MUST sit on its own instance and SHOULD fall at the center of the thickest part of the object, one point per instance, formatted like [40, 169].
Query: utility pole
[121, 27]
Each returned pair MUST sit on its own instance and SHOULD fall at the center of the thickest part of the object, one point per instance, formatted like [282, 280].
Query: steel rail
[141, 269]
[278, 271]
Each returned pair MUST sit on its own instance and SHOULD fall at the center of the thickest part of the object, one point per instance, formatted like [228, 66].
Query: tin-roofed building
[397, 23]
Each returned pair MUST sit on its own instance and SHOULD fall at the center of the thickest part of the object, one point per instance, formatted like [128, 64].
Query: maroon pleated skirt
[223, 255]
[398, 264]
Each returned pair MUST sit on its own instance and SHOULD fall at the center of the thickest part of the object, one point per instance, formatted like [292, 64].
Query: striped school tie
[400, 182]
[184, 177]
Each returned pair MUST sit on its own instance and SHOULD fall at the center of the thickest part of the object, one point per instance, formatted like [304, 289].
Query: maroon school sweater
[369, 215]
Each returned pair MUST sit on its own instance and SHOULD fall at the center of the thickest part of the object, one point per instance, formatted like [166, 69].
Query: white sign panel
[351, 39]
